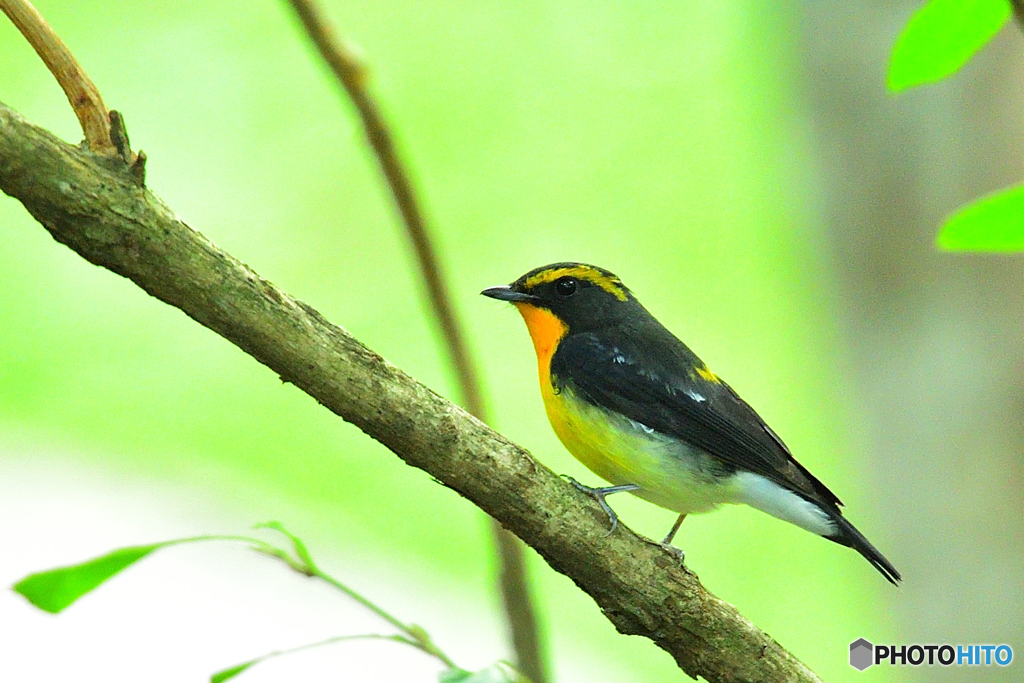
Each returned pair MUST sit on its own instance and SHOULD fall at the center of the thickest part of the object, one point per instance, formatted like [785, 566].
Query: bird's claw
[677, 553]
[599, 494]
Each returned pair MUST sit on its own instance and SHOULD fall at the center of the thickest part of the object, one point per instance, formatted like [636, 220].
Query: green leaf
[941, 37]
[55, 589]
[233, 671]
[993, 223]
[499, 672]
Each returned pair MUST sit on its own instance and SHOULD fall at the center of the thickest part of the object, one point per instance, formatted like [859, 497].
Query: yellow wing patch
[703, 371]
[605, 281]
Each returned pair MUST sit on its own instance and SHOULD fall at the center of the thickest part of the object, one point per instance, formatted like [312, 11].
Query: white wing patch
[699, 398]
[641, 426]
[767, 496]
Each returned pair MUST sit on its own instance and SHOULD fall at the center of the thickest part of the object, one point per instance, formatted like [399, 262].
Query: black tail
[846, 534]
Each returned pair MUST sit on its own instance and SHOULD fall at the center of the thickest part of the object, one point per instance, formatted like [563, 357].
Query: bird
[639, 409]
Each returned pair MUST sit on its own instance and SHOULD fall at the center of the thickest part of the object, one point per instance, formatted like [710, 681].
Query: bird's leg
[673, 530]
[599, 494]
[667, 543]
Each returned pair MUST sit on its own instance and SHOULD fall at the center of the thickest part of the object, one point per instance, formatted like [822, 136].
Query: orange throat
[546, 330]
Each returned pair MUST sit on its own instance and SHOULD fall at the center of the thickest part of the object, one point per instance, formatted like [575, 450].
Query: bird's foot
[599, 494]
[678, 553]
[675, 552]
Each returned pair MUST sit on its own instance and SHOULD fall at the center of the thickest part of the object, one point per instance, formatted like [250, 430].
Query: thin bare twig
[81, 92]
[350, 73]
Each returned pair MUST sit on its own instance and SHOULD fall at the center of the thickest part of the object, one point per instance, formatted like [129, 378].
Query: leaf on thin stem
[233, 671]
[56, 589]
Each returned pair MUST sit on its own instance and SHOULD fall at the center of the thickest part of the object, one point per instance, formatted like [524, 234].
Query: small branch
[301, 561]
[81, 92]
[641, 588]
[512, 580]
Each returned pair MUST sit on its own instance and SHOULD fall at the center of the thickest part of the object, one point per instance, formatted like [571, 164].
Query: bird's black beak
[506, 293]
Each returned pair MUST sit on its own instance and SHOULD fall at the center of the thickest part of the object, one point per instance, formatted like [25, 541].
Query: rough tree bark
[95, 206]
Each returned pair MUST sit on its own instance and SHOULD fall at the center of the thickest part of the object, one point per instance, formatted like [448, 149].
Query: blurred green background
[738, 164]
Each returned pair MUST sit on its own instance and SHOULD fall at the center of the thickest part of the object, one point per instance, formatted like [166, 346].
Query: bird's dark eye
[565, 286]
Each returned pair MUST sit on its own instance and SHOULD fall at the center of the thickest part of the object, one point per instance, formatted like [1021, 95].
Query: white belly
[669, 472]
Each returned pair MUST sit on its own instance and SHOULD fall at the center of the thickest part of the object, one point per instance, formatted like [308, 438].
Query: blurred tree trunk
[936, 340]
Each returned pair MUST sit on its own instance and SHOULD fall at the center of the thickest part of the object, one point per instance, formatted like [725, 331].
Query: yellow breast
[617, 449]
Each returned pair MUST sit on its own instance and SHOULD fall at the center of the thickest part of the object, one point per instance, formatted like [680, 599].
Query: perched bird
[639, 409]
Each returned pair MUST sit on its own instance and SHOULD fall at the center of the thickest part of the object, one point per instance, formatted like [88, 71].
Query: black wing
[657, 385]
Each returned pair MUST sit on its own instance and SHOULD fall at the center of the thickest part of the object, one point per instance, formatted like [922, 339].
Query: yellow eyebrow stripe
[608, 283]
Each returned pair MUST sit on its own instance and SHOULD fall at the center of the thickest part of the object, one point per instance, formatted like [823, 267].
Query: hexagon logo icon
[861, 654]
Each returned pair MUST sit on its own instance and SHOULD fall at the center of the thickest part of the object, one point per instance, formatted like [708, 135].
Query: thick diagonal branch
[112, 222]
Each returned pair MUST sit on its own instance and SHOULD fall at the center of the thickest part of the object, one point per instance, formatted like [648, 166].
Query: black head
[582, 296]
